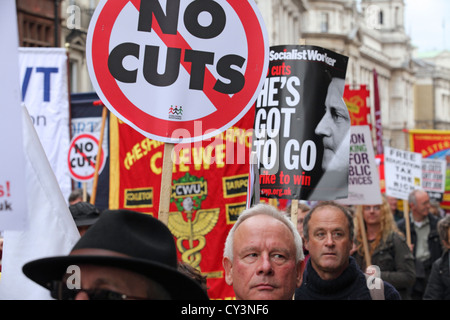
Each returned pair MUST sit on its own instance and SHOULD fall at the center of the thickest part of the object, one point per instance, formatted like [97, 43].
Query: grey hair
[268, 210]
[442, 227]
[412, 197]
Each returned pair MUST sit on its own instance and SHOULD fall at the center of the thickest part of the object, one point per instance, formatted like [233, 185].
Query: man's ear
[300, 269]
[305, 243]
[228, 267]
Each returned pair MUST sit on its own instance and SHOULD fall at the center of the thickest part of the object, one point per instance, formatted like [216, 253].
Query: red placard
[356, 101]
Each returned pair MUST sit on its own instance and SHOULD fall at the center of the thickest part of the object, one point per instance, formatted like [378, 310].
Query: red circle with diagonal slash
[229, 109]
[85, 175]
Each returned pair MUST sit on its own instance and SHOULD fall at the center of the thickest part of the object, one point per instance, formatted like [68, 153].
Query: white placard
[433, 175]
[13, 206]
[403, 172]
[363, 180]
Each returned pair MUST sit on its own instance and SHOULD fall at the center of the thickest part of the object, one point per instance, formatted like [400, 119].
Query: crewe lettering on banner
[226, 66]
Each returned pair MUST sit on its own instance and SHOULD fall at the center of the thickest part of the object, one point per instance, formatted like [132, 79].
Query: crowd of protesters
[334, 252]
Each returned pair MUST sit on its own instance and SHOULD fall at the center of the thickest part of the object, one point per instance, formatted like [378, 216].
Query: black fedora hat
[84, 213]
[145, 245]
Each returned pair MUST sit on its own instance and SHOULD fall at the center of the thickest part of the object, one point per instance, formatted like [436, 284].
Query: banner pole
[99, 154]
[364, 239]
[166, 184]
[84, 191]
[294, 211]
[407, 225]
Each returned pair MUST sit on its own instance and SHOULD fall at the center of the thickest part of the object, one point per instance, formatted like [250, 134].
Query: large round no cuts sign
[178, 69]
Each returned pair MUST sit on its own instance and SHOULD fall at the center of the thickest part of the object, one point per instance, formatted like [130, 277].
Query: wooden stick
[99, 155]
[84, 191]
[407, 226]
[166, 184]
[273, 202]
[294, 211]
[364, 239]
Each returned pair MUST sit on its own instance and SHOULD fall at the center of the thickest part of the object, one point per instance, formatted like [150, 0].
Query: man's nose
[265, 265]
[322, 128]
[329, 241]
[82, 296]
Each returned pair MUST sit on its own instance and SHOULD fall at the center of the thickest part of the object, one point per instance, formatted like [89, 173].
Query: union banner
[208, 192]
[434, 144]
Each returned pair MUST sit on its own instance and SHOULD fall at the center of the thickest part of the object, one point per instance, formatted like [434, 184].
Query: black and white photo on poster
[302, 125]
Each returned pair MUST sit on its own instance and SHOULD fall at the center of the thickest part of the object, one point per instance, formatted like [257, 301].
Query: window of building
[73, 67]
[324, 22]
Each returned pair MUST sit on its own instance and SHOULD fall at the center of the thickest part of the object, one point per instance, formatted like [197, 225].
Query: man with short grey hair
[424, 239]
[263, 255]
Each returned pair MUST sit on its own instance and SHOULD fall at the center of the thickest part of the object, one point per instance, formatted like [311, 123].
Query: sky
[427, 22]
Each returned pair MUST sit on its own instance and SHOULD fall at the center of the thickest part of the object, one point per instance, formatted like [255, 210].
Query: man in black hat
[84, 214]
[124, 255]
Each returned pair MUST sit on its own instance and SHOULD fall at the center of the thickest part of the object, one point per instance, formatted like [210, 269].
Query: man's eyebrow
[325, 229]
[250, 249]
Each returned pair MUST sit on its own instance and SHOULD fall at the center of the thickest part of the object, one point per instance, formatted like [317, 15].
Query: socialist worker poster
[302, 125]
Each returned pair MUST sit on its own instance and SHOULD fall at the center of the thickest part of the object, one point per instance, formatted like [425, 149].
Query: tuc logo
[145, 55]
[175, 112]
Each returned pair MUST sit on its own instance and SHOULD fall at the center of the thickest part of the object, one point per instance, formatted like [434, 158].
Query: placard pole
[294, 211]
[99, 155]
[407, 225]
[166, 184]
[84, 191]
[362, 227]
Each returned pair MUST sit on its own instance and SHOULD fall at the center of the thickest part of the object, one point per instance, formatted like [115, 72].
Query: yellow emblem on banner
[193, 231]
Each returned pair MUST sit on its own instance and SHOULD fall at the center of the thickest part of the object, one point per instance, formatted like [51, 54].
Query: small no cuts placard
[82, 157]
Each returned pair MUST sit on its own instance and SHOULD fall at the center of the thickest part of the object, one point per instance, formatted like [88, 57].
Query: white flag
[49, 230]
[43, 76]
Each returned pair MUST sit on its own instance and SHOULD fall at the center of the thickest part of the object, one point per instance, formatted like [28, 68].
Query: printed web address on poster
[277, 192]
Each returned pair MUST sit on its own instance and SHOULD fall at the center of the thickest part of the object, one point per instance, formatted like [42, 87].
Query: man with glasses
[124, 255]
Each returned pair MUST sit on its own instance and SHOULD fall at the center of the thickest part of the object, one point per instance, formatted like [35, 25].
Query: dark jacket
[438, 287]
[350, 285]
[396, 263]
[434, 243]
